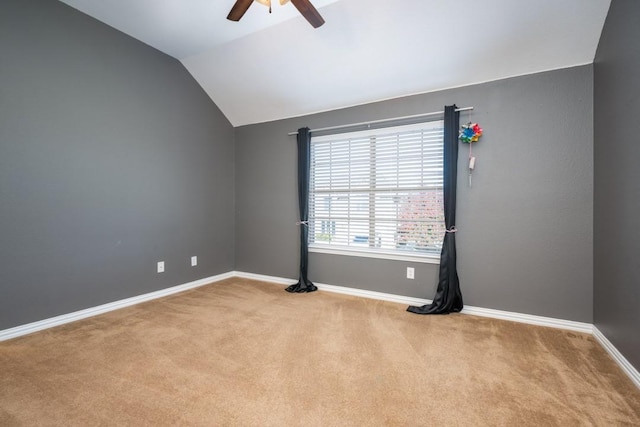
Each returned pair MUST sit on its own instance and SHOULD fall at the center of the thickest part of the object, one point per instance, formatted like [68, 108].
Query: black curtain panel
[304, 158]
[448, 297]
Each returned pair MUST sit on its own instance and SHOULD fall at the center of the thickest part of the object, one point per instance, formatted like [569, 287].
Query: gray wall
[525, 240]
[111, 158]
[617, 180]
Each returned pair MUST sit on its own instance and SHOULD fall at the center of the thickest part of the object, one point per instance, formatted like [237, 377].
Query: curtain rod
[393, 119]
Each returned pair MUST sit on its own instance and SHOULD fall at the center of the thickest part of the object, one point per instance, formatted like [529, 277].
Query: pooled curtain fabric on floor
[448, 297]
[304, 157]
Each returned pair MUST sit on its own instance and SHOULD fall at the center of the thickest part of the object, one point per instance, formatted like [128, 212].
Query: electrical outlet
[411, 273]
[160, 266]
[194, 261]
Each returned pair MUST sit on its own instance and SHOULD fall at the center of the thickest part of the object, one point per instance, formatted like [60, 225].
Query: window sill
[433, 259]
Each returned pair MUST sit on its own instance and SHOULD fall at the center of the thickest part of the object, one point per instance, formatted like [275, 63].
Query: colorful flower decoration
[471, 132]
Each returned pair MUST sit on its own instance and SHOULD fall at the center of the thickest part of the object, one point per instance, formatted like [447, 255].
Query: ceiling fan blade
[309, 12]
[239, 9]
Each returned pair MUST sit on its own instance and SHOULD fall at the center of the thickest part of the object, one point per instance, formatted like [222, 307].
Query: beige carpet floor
[246, 353]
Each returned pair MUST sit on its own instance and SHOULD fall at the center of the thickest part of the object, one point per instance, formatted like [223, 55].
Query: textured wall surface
[526, 226]
[617, 180]
[111, 158]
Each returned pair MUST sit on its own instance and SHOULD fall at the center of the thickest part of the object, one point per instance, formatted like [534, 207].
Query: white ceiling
[273, 66]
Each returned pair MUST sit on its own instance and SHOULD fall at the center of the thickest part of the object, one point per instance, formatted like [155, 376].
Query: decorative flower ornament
[471, 132]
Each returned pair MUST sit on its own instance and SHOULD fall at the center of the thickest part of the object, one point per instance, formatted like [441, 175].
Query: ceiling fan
[305, 7]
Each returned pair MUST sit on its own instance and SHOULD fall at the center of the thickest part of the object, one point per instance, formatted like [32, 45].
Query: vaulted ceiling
[273, 66]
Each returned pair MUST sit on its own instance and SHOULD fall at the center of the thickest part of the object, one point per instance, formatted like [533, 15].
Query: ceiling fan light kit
[268, 3]
[306, 9]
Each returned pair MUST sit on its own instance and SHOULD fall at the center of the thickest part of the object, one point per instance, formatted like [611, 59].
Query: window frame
[430, 257]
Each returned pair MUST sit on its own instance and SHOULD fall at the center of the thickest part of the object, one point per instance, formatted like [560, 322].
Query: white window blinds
[378, 190]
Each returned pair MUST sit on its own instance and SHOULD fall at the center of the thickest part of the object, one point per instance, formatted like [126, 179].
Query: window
[378, 192]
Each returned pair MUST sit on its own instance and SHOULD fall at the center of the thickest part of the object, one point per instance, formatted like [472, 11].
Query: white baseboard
[93, 311]
[617, 356]
[337, 289]
[530, 319]
[264, 278]
[476, 311]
